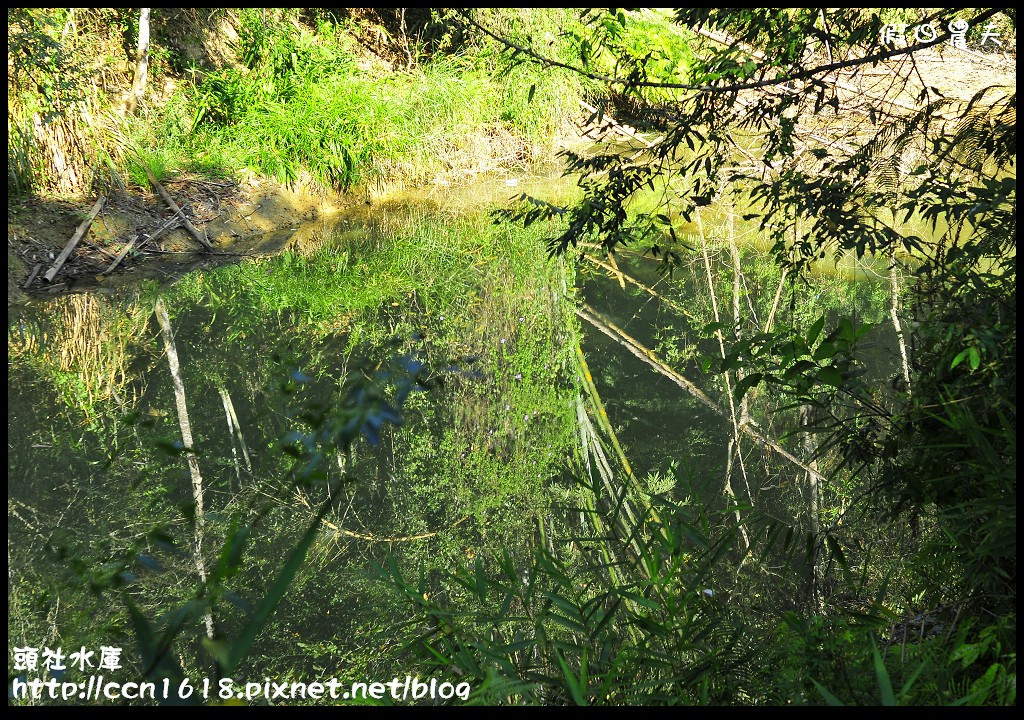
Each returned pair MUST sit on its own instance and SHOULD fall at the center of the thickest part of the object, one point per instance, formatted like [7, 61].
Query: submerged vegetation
[729, 420]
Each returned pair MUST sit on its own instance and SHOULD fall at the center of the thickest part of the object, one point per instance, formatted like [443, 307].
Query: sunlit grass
[347, 126]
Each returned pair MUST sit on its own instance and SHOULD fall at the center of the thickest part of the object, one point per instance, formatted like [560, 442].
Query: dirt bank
[238, 218]
[241, 219]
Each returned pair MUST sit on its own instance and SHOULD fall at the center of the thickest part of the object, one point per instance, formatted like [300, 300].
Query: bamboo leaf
[884, 683]
[574, 685]
[746, 383]
[815, 330]
[829, 697]
[252, 629]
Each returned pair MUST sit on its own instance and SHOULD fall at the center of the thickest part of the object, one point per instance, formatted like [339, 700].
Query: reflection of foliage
[248, 327]
[551, 630]
[82, 347]
[364, 404]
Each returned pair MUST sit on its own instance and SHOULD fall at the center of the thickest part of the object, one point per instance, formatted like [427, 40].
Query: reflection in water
[265, 348]
[81, 345]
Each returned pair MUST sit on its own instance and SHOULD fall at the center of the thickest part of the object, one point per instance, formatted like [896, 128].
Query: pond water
[266, 345]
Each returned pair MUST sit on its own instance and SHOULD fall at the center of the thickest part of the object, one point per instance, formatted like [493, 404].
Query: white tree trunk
[141, 62]
[190, 455]
[894, 311]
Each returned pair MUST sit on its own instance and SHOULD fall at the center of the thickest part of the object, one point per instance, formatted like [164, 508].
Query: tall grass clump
[306, 101]
[47, 110]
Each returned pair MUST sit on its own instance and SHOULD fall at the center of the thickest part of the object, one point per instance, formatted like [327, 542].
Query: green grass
[305, 98]
[347, 129]
[308, 104]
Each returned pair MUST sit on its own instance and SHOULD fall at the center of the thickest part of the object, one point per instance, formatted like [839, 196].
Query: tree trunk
[141, 63]
[894, 288]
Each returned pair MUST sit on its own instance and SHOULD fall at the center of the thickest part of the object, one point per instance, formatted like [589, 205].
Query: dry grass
[82, 348]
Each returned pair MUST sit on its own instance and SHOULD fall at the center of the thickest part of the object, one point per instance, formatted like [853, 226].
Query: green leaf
[795, 622]
[829, 697]
[252, 629]
[959, 358]
[218, 649]
[830, 376]
[884, 683]
[533, 89]
[815, 330]
[481, 581]
[231, 553]
[731, 361]
[561, 602]
[746, 383]
[910, 682]
[574, 685]
[825, 351]
[143, 633]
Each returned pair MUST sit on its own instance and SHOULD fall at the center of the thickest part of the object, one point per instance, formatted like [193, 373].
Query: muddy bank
[241, 219]
[235, 217]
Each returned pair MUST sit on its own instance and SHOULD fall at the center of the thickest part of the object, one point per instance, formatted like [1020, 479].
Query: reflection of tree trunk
[810, 447]
[894, 287]
[782, 280]
[734, 442]
[735, 448]
[234, 433]
[141, 63]
[775, 302]
[647, 356]
[190, 455]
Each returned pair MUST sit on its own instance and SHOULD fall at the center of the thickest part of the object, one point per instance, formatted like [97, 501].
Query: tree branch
[855, 62]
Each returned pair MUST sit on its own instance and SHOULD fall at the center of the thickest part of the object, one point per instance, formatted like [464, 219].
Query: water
[92, 466]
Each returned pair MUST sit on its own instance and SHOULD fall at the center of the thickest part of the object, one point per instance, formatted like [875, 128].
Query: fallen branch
[618, 273]
[200, 238]
[32, 276]
[651, 359]
[127, 248]
[649, 290]
[624, 130]
[171, 224]
[83, 228]
[101, 250]
[121, 255]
